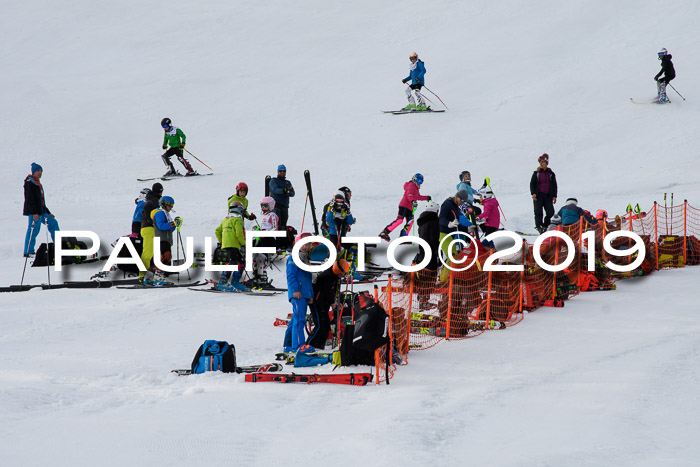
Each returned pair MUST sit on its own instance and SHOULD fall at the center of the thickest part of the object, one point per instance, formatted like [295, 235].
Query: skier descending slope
[668, 73]
[411, 196]
[417, 79]
[175, 138]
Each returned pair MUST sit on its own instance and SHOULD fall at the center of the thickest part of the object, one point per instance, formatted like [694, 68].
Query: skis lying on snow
[172, 177]
[353, 379]
[403, 111]
[164, 286]
[259, 293]
[242, 369]
[71, 285]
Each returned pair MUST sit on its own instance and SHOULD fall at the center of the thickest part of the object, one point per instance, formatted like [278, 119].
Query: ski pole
[303, 218]
[48, 260]
[676, 91]
[666, 213]
[179, 242]
[27, 257]
[431, 92]
[671, 213]
[205, 165]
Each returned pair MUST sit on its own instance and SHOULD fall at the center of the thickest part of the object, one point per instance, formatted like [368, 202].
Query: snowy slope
[610, 379]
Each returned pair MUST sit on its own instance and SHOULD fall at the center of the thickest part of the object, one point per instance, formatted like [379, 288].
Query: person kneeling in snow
[231, 236]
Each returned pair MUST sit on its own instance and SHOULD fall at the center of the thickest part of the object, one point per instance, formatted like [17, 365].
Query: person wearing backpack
[325, 292]
[163, 227]
[300, 294]
[35, 209]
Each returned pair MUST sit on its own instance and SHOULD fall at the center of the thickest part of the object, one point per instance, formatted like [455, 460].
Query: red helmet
[241, 186]
[601, 214]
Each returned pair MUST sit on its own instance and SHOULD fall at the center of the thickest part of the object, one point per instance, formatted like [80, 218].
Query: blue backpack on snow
[215, 356]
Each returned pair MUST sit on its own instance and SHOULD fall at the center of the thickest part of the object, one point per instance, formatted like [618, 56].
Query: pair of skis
[165, 178]
[268, 367]
[352, 379]
[169, 285]
[412, 111]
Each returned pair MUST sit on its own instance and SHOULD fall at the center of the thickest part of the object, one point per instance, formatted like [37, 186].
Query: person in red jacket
[411, 196]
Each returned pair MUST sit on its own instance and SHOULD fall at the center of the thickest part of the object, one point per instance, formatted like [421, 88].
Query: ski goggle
[265, 207]
[166, 204]
[166, 126]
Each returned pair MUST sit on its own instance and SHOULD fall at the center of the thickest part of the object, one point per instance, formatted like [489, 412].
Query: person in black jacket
[668, 73]
[281, 190]
[35, 209]
[428, 230]
[325, 291]
[147, 230]
[543, 188]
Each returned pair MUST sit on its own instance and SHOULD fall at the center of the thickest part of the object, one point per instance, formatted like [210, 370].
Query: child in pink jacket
[491, 215]
[411, 196]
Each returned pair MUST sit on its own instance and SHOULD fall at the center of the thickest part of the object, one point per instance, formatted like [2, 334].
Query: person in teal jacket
[300, 292]
[175, 138]
[417, 79]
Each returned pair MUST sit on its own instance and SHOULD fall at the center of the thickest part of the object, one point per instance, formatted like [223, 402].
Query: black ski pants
[283, 214]
[543, 201]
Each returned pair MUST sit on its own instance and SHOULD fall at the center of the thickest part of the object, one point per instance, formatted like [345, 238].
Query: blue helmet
[418, 178]
[167, 200]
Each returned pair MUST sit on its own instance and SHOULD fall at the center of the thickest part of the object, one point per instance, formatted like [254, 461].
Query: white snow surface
[611, 379]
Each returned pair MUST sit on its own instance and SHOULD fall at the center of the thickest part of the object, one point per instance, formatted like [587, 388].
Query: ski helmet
[543, 158]
[340, 267]
[302, 235]
[432, 206]
[463, 173]
[142, 195]
[412, 56]
[555, 220]
[241, 186]
[338, 201]
[267, 204]
[166, 123]
[236, 208]
[346, 191]
[418, 178]
[573, 201]
[166, 201]
[487, 192]
[663, 52]
[601, 214]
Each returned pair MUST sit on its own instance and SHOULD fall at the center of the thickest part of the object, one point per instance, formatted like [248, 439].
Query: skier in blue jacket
[417, 79]
[301, 294]
[571, 213]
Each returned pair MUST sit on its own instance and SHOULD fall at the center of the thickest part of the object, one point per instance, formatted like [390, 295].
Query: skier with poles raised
[668, 72]
[409, 202]
[417, 78]
[175, 138]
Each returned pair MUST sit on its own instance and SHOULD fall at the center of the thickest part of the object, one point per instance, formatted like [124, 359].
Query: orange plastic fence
[427, 307]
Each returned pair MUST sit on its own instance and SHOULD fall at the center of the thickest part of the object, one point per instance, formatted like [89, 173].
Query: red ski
[353, 379]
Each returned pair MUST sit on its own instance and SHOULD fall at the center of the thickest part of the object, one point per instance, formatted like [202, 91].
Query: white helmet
[236, 208]
[486, 192]
[663, 51]
[432, 206]
[268, 201]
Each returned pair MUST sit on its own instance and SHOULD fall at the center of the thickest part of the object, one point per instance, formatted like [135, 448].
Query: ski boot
[191, 173]
[423, 108]
[171, 172]
[410, 107]
[384, 235]
[159, 280]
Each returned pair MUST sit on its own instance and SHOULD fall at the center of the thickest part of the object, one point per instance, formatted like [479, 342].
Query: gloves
[480, 221]
[178, 223]
[218, 245]
[182, 145]
[485, 184]
[404, 81]
[429, 198]
[417, 80]
[251, 216]
[471, 229]
[287, 191]
[165, 146]
[453, 224]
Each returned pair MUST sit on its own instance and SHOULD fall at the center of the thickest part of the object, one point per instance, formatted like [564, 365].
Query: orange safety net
[426, 307]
